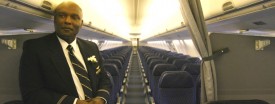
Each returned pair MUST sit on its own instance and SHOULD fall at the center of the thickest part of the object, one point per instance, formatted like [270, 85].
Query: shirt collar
[64, 44]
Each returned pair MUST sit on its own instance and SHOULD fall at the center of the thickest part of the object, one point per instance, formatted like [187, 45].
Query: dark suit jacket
[45, 77]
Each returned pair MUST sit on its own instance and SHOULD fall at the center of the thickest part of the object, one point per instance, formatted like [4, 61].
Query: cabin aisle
[135, 89]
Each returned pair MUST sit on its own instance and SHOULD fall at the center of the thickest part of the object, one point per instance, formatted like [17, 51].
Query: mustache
[67, 28]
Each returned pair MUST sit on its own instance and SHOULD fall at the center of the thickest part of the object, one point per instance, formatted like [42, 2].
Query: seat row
[115, 62]
[173, 77]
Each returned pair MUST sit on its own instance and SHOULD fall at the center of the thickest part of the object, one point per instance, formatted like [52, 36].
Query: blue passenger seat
[176, 87]
[112, 69]
[180, 62]
[193, 69]
[157, 71]
[113, 96]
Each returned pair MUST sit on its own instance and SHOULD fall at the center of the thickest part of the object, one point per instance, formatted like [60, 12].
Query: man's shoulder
[86, 42]
[40, 41]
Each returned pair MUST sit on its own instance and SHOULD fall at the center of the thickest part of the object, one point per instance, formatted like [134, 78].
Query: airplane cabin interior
[159, 51]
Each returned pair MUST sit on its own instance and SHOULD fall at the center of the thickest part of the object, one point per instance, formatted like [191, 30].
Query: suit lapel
[60, 61]
[87, 51]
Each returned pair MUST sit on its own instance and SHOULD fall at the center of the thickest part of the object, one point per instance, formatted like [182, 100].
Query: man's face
[67, 20]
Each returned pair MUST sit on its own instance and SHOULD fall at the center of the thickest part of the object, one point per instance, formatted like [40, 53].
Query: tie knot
[70, 48]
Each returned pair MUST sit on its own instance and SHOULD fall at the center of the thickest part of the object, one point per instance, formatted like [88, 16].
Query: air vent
[47, 5]
[227, 6]
[259, 23]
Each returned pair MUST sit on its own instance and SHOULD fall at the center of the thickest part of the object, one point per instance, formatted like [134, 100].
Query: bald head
[70, 4]
[67, 20]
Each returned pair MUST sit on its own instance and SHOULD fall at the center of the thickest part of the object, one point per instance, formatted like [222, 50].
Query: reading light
[243, 31]
[29, 29]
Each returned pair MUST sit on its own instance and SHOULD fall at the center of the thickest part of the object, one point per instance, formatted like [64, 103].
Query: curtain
[194, 20]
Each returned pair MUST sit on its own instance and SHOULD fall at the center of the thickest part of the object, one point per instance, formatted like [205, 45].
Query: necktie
[81, 73]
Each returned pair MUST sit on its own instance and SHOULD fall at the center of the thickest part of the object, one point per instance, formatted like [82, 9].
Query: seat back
[105, 56]
[114, 61]
[198, 90]
[193, 69]
[170, 59]
[119, 58]
[112, 69]
[113, 96]
[176, 87]
[194, 59]
[180, 62]
[152, 64]
[150, 58]
[157, 71]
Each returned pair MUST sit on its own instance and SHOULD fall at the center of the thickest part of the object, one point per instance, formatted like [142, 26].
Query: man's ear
[82, 22]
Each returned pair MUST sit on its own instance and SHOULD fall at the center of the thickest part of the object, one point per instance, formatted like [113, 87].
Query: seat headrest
[171, 59]
[110, 77]
[194, 59]
[160, 68]
[176, 79]
[114, 61]
[193, 69]
[112, 69]
[155, 62]
[180, 62]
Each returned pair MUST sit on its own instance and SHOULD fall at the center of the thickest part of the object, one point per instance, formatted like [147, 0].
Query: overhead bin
[99, 18]
[212, 8]
[23, 19]
[46, 4]
[40, 8]
[29, 6]
[36, 15]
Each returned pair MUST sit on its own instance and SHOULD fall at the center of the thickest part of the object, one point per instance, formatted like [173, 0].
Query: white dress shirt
[78, 55]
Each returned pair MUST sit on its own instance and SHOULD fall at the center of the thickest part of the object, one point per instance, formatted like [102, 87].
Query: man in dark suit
[47, 74]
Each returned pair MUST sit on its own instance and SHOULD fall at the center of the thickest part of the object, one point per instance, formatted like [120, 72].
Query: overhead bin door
[247, 71]
[45, 4]
[212, 8]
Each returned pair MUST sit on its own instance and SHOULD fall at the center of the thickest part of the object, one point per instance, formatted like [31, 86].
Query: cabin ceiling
[135, 10]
